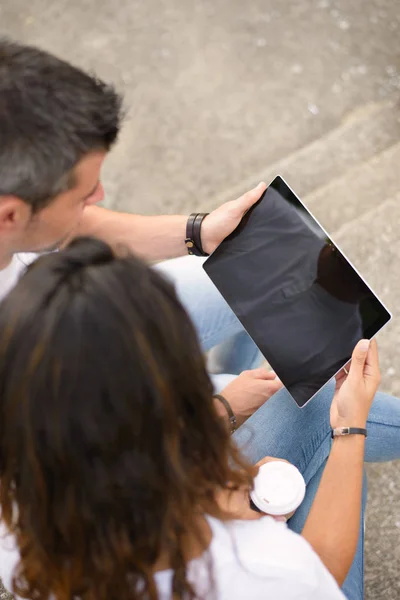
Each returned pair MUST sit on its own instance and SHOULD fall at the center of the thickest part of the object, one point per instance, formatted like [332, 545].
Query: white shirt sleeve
[270, 561]
[257, 560]
[326, 587]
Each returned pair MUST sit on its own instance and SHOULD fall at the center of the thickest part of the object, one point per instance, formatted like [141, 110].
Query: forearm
[153, 238]
[332, 527]
[157, 238]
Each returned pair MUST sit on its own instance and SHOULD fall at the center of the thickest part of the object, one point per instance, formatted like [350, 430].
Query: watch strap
[193, 234]
[339, 431]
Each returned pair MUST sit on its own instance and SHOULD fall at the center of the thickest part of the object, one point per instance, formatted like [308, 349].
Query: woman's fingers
[365, 365]
[263, 373]
[268, 459]
[275, 386]
[358, 360]
[371, 370]
[268, 387]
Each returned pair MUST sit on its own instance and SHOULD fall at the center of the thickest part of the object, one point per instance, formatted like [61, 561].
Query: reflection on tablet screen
[296, 294]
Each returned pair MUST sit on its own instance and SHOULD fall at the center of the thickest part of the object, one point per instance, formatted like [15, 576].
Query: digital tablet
[294, 291]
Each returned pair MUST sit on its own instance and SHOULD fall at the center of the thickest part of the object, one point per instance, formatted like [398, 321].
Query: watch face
[338, 431]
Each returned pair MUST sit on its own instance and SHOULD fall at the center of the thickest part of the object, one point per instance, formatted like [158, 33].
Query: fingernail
[364, 345]
[262, 183]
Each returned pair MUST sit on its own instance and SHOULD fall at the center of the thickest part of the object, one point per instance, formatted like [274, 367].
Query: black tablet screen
[295, 293]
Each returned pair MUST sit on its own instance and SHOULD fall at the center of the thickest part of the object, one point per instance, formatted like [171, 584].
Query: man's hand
[249, 391]
[223, 220]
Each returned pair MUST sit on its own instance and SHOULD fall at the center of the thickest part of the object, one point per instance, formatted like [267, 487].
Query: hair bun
[86, 251]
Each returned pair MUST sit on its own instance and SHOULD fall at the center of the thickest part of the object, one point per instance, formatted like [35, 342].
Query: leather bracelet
[339, 431]
[231, 414]
[193, 237]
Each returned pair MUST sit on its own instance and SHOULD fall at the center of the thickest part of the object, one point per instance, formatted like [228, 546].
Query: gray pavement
[224, 93]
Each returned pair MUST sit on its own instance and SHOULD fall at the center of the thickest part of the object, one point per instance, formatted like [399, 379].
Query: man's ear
[15, 214]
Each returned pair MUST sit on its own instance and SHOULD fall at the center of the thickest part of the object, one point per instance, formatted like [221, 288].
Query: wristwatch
[339, 431]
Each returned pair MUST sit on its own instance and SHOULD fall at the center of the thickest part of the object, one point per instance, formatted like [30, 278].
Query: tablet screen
[296, 294]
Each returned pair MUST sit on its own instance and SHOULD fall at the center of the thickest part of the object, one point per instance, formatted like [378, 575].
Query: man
[57, 125]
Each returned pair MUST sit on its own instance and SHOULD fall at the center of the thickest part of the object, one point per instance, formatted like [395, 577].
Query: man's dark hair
[51, 115]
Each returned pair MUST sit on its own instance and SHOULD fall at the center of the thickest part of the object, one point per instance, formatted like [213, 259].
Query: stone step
[359, 190]
[367, 131]
[372, 243]
[373, 238]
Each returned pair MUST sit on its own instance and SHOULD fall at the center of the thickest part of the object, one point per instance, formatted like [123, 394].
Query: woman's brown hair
[109, 441]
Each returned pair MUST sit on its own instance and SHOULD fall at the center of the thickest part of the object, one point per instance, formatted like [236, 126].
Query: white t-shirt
[255, 560]
[251, 560]
[258, 560]
[10, 275]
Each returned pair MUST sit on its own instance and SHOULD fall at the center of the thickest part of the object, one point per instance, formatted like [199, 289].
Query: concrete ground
[224, 93]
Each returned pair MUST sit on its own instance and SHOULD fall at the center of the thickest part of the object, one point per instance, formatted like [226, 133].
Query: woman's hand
[237, 503]
[355, 392]
[268, 459]
[249, 391]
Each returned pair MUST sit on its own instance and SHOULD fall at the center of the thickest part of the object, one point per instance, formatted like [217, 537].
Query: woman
[119, 479]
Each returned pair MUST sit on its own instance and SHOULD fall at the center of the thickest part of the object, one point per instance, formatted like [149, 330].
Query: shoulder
[266, 554]
[264, 536]
[24, 259]
[10, 275]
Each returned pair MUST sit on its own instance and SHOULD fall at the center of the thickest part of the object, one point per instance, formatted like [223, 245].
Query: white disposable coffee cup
[279, 488]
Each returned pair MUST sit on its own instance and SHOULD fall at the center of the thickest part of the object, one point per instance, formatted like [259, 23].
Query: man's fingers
[251, 197]
[358, 359]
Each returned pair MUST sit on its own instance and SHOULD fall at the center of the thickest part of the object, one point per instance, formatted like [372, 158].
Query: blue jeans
[230, 349]
[279, 428]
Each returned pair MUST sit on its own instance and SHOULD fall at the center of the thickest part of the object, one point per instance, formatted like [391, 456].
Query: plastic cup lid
[279, 488]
